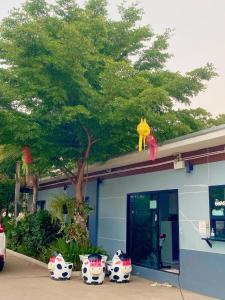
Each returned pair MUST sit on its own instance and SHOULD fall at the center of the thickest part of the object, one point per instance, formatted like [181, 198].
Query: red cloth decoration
[151, 141]
[26, 155]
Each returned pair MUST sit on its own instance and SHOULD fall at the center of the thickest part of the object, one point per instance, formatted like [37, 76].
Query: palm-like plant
[60, 205]
[11, 155]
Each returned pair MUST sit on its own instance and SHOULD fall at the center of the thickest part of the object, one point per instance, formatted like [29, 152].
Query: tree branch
[90, 142]
[72, 178]
[68, 171]
[95, 141]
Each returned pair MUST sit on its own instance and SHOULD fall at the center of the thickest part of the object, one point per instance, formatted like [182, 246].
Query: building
[168, 214]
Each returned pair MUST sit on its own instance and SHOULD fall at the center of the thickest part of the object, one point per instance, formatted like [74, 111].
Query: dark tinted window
[40, 205]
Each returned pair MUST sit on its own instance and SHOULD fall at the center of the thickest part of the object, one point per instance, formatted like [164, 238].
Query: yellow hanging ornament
[143, 130]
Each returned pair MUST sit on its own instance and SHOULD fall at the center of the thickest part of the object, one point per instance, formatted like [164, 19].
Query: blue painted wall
[193, 203]
[193, 200]
[203, 272]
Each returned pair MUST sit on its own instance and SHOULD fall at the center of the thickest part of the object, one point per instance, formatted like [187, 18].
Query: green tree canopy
[75, 83]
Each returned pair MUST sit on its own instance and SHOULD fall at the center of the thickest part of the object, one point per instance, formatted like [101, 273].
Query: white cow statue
[120, 268]
[93, 268]
[59, 269]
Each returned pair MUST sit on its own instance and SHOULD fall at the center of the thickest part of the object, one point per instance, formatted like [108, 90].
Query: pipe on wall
[99, 182]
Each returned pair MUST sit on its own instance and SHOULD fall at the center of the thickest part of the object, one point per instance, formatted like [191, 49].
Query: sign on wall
[203, 228]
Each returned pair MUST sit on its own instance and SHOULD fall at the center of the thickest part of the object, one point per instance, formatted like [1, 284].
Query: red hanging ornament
[26, 155]
[151, 141]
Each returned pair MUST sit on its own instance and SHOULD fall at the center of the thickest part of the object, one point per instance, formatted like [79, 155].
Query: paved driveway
[22, 280]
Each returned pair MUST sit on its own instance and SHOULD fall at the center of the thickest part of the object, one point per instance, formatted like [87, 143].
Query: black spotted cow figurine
[120, 268]
[93, 268]
[59, 269]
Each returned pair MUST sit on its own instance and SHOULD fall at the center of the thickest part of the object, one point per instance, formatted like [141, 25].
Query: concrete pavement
[22, 280]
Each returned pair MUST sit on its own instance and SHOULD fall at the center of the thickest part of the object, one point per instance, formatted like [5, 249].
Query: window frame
[39, 204]
[214, 219]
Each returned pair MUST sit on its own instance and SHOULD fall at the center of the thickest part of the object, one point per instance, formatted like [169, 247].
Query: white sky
[199, 37]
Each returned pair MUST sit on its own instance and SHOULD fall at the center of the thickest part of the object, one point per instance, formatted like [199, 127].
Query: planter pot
[119, 269]
[93, 268]
[59, 269]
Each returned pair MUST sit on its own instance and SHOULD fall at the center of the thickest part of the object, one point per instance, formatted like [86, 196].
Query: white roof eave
[186, 145]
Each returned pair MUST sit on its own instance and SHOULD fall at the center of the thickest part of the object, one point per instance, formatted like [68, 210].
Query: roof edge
[206, 138]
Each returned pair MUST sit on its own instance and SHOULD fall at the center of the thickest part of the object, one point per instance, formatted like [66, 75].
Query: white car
[2, 247]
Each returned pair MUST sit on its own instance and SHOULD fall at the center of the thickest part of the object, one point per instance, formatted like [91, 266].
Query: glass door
[143, 229]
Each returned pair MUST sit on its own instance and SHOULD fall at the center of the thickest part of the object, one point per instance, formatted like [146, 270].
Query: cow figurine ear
[104, 258]
[117, 254]
[83, 257]
[116, 261]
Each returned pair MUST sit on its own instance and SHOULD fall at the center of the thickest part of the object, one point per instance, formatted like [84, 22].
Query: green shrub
[70, 251]
[38, 236]
[32, 234]
[8, 223]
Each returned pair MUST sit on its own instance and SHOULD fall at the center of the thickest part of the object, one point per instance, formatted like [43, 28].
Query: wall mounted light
[178, 162]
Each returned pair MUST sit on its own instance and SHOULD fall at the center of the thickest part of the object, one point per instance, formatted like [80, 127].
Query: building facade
[167, 214]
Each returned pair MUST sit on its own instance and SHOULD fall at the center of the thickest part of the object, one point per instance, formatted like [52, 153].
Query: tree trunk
[79, 214]
[80, 182]
[81, 167]
[79, 192]
[35, 193]
[17, 188]
[29, 178]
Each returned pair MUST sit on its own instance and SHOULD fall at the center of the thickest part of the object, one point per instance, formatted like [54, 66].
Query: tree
[219, 120]
[77, 83]
[9, 160]
[6, 193]
[12, 162]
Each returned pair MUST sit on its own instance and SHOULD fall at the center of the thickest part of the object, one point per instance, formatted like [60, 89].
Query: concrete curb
[28, 259]
[37, 262]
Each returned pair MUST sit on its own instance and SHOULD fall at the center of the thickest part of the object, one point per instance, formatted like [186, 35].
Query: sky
[198, 38]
